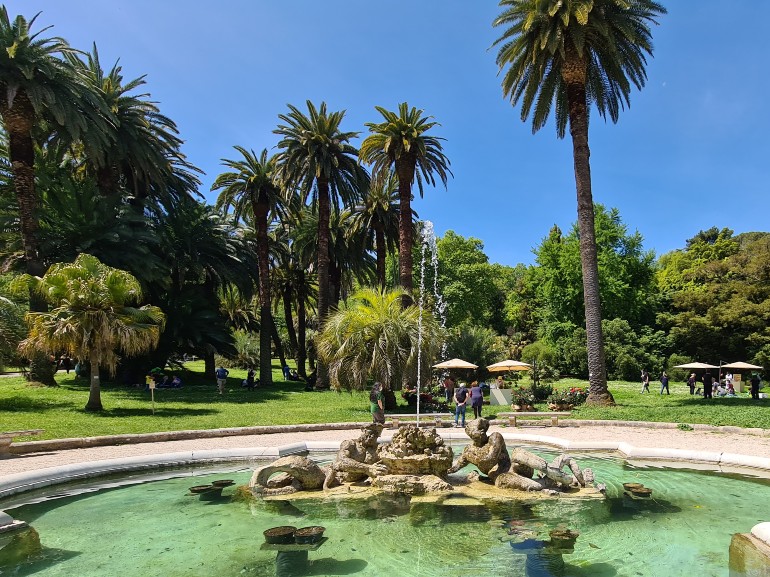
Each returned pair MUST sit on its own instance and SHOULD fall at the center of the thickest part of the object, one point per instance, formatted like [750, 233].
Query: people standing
[664, 383]
[449, 388]
[645, 382]
[708, 385]
[221, 374]
[461, 398]
[376, 404]
[250, 379]
[477, 399]
[691, 383]
[755, 381]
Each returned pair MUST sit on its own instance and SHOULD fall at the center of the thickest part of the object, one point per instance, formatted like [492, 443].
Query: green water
[156, 529]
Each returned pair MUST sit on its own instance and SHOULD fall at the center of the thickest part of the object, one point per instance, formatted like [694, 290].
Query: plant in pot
[522, 399]
[567, 399]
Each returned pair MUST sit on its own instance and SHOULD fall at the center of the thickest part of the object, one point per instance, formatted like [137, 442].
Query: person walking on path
[375, 404]
[664, 383]
[755, 386]
[645, 382]
[477, 399]
[221, 374]
[708, 385]
[461, 398]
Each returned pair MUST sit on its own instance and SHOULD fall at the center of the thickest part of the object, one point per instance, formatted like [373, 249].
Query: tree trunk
[405, 171]
[209, 364]
[288, 297]
[265, 313]
[578, 122]
[19, 121]
[277, 342]
[94, 393]
[381, 251]
[323, 270]
[301, 327]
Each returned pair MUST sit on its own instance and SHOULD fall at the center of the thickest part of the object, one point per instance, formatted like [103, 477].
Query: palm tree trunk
[405, 171]
[265, 314]
[18, 122]
[323, 270]
[578, 121]
[301, 327]
[381, 251]
[94, 393]
[277, 341]
[209, 363]
[288, 297]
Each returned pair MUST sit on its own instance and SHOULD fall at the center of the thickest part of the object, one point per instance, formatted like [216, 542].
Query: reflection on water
[157, 529]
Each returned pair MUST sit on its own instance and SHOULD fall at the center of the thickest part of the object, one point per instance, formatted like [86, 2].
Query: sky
[690, 153]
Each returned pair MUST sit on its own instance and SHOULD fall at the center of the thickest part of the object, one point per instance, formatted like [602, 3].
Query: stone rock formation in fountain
[295, 474]
[490, 455]
[357, 459]
[417, 462]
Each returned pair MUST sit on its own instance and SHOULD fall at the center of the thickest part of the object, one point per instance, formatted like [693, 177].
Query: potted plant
[567, 399]
[522, 399]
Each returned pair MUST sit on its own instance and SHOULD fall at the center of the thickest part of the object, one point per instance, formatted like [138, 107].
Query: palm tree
[92, 317]
[401, 143]
[373, 336]
[378, 218]
[569, 55]
[144, 152]
[317, 159]
[252, 188]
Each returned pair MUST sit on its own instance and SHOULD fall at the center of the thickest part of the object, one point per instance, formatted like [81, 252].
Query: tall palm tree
[378, 218]
[251, 187]
[37, 86]
[144, 157]
[92, 317]
[567, 56]
[317, 159]
[400, 142]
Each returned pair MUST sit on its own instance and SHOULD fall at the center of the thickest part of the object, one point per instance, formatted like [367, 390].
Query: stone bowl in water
[641, 492]
[198, 489]
[632, 486]
[308, 535]
[280, 535]
[223, 483]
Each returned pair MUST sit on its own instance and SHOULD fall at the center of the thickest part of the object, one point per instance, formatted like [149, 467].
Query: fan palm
[377, 217]
[92, 317]
[400, 142]
[252, 187]
[373, 336]
[317, 158]
[567, 55]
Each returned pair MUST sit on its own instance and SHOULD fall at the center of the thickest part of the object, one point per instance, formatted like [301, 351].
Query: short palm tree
[317, 159]
[252, 188]
[400, 143]
[92, 317]
[372, 336]
[378, 217]
[567, 55]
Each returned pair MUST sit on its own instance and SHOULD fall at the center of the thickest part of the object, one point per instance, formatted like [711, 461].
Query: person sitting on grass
[176, 382]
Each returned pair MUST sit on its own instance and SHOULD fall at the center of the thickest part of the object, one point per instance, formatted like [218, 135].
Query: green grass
[59, 411]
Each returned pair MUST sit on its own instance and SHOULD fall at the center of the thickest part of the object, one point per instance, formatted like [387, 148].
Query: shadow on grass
[160, 411]
[23, 405]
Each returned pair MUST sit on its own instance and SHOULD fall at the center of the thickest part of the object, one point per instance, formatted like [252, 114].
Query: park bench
[553, 414]
[436, 419]
[7, 436]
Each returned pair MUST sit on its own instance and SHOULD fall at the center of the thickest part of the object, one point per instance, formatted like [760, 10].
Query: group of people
[709, 387]
[461, 396]
[646, 382]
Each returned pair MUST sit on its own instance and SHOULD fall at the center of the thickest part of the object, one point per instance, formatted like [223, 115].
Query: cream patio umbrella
[455, 364]
[742, 366]
[697, 366]
[508, 365]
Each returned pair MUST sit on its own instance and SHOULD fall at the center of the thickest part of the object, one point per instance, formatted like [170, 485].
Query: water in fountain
[429, 245]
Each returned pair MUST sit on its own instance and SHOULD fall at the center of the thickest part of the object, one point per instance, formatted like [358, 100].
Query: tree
[317, 158]
[372, 336]
[252, 187]
[378, 217]
[400, 143]
[568, 55]
[92, 317]
[36, 86]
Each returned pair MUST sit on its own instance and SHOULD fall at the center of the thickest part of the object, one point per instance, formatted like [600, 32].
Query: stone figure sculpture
[357, 459]
[295, 474]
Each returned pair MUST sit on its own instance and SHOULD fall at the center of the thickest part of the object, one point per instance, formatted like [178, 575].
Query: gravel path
[719, 442]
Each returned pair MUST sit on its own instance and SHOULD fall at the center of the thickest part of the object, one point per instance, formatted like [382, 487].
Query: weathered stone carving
[416, 451]
[357, 459]
[295, 474]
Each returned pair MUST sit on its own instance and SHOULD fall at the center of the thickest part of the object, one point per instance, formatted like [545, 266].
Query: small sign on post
[151, 385]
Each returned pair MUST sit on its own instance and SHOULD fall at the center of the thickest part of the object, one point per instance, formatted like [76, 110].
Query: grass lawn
[59, 411]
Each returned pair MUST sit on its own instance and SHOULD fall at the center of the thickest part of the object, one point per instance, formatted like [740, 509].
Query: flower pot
[280, 535]
[522, 408]
[308, 535]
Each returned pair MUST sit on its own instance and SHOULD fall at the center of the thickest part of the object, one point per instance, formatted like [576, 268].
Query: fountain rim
[18, 483]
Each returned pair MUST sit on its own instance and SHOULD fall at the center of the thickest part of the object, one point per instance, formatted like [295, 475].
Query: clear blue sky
[692, 151]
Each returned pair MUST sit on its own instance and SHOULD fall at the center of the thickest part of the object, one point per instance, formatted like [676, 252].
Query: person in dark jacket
[708, 385]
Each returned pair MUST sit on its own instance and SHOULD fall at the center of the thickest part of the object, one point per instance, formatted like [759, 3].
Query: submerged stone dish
[632, 486]
[198, 489]
[280, 535]
[308, 535]
[223, 483]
